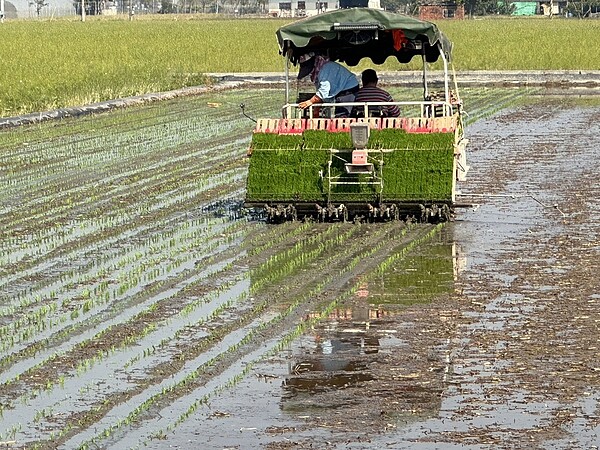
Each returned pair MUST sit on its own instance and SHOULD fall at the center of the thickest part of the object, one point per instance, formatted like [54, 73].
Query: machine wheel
[435, 213]
[344, 213]
[394, 212]
[280, 213]
[321, 212]
[373, 211]
[331, 213]
[383, 213]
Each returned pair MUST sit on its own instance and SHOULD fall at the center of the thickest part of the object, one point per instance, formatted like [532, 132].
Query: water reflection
[419, 278]
[358, 344]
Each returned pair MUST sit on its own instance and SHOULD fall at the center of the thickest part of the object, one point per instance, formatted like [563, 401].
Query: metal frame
[376, 179]
[447, 106]
[291, 110]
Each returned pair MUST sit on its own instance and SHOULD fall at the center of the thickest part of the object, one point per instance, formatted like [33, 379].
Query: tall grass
[51, 64]
[524, 44]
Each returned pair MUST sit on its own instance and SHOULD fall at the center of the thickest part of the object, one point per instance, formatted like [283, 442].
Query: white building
[303, 8]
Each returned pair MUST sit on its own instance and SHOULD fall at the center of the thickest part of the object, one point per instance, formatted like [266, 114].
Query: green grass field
[59, 63]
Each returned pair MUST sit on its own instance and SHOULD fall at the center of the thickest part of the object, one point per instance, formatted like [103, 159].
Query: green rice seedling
[286, 174]
[325, 140]
[270, 141]
[393, 138]
[424, 174]
[419, 168]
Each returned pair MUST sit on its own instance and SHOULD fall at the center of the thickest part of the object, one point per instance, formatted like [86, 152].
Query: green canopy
[349, 35]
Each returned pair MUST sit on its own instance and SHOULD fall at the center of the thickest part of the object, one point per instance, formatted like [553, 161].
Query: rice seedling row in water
[221, 273]
[485, 102]
[59, 162]
[326, 262]
[254, 275]
[212, 305]
[159, 123]
[115, 258]
[113, 251]
[288, 266]
[248, 365]
[239, 335]
[143, 317]
[108, 224]
[197, 313]
[84, 160]
[86, 362]
[185, 384]
[144, 217]
[282, 288]
[128, 278]
[150, 320]
[199, 178]
[287, 232]
[32, 348]
[280, 261]
[138, 254]
[75, 228]
[120, 145]
[137, 118]
[276, 346]
[97, 359]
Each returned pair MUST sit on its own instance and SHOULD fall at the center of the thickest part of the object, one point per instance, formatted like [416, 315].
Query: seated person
[371, 93]
[333, 82]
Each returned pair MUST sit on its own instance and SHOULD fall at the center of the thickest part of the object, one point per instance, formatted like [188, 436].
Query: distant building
[551, 8]
[441, 9]
[22, 9]
[303, 8]
[525, 8]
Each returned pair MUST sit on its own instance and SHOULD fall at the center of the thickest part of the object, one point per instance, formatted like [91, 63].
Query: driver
[334, 82]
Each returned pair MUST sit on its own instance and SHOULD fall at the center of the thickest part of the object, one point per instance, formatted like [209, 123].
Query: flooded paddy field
[142, 307]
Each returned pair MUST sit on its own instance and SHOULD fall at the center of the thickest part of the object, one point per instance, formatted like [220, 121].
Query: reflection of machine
[365, 369]
[308, 163]
[459, 260]
[373, 346]
[337, 360]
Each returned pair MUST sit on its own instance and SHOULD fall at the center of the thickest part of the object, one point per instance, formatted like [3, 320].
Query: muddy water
[485, 337]
[479, 334]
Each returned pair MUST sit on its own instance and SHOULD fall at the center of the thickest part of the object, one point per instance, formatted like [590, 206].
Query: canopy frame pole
[425, 87]
[446, 78]
[456, 93]
[287, 77]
